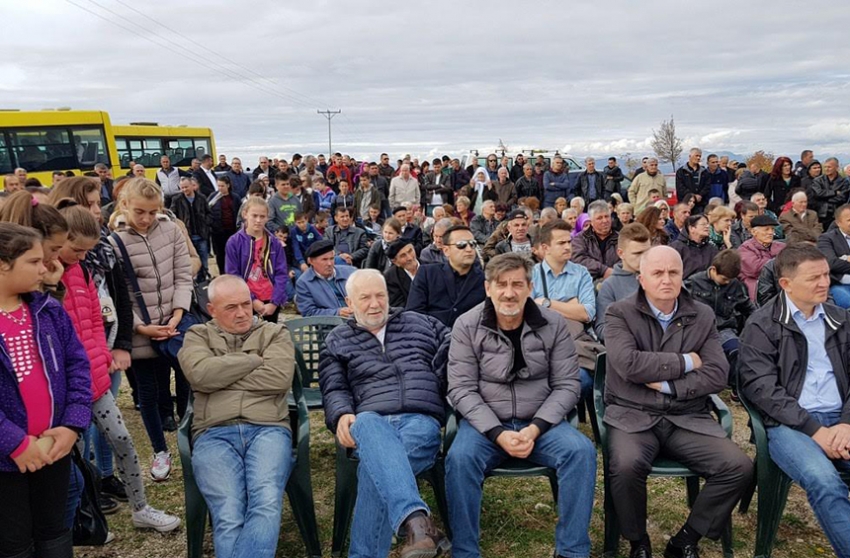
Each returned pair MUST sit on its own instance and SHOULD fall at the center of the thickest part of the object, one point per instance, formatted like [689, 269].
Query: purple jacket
[239, 255]
[68, 375]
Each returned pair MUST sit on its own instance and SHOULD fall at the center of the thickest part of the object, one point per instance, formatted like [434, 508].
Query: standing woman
[780, 184]
[45, 402]
[259, 258]
[224, 215]
[159, 258]
[813, 171]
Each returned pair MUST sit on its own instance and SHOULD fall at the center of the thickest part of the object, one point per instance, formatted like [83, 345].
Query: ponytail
[22, 208]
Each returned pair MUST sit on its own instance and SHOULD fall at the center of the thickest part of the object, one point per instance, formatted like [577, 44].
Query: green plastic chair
[308, 336]
[661, 467]
[773, 486]
[299, 487]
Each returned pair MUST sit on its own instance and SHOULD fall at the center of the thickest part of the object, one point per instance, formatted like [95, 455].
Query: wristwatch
[546, 303]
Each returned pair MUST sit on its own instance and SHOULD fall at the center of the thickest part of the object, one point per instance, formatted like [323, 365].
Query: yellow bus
[61, 140]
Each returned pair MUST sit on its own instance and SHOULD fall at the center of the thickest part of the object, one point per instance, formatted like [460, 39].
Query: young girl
[45, 401]
[259, 259]
[83, 305]
[159, 257]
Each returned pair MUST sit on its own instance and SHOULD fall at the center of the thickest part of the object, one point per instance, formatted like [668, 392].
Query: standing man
[513, 377]
[239, 179]
[438, 187]
[556, 183]
[517, 168]
[222, 165]
[264, 168]
[806, 158]
[642, 184]
[11, 184]
[829, 190]
[591, 183]
[528, 186]
[310, 171]
[715, 179]
[283, 205]
[448, 290]
[689, 181]
[613, 178]
[240, 370]
[404, 188]
[385, 169]
[168, 178]
[205, 176]
[793, 368]
[191, 207]
[105, 184]
[664, 362]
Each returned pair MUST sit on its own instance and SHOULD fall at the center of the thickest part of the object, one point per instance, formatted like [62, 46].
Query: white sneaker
[161, 467]
[150, 518]
[109, 537]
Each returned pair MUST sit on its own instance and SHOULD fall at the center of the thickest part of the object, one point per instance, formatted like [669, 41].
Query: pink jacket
[83, 306]
[753, 257]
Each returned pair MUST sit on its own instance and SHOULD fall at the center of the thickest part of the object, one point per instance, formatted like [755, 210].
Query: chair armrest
[724, 415]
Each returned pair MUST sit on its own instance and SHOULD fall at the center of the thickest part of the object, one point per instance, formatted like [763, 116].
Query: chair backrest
[308, 336]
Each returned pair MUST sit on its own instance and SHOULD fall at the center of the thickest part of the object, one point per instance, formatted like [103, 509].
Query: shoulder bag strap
[131, 277]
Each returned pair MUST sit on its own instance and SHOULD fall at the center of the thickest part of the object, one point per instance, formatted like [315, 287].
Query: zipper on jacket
[158, 278]
[44, 363]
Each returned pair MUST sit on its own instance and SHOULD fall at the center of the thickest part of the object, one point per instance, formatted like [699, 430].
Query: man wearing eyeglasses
[447, 290]
[493, 167]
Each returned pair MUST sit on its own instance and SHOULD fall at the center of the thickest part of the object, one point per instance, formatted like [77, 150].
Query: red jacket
[83, 306]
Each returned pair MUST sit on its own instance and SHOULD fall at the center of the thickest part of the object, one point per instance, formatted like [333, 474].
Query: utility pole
[329, 114]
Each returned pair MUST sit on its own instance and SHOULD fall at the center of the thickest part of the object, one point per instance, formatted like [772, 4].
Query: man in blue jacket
[447, 290]
[383, 382]
[556, 183]
[320, 291]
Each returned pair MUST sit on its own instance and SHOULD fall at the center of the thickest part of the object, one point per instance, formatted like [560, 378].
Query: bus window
[6, 166]
[43, 149]
[202, 147]
[144, 151]
[90, 147]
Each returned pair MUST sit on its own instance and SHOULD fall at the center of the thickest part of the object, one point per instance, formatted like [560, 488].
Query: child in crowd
[323, 219]
[303, 234]
[254, 255]
[83, 306]
[45, 401]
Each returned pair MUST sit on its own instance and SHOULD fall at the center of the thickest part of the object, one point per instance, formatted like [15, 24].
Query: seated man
[399, 276]
[433, 253]
[664, 361]
[320, 291]
[518, 241]
[513, 376]
[240, 370]
[835, 245]
[392, 420]
[449, 289]
[409, 228]
[564, 286]
[349, 241]
[793, 369]
[596, 247]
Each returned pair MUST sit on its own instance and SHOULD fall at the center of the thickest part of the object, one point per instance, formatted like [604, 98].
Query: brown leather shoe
[423, 539]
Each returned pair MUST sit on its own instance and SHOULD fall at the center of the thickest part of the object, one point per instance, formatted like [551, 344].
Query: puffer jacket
[731, 303]
[160, 260]
[241, 378]
[67, 368]
[405, 375]
[83, 306]
[240, 256]
[754, 255]
[482, 386]
[772, 363]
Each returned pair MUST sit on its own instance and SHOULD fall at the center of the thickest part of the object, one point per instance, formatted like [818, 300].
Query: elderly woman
[462, 210]
[652, 219]
[720, 227]
[625, 213]
[757, 251]
[561, 205]
[665, 209]
[694, 247]
[570, 217]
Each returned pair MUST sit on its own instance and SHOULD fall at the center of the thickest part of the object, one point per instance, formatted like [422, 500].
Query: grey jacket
[621, 284]
[640, 351]
[481, 385]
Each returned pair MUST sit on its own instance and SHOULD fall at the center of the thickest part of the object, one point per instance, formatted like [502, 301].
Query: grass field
[518, 517]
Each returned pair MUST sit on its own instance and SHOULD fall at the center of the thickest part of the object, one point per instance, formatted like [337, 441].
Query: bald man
[665, 359]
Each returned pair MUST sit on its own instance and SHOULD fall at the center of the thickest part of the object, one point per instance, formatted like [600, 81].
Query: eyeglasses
[463, 244]
[491, 160]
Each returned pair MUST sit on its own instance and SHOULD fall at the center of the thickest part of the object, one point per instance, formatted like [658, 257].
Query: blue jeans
[202, 245]
[242, 470]
[841, 295]
[586, 379]
[392, 449]
[803, 460]
[562, 448]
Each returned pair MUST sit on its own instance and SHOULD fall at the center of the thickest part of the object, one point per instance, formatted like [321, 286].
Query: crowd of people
[487, 291]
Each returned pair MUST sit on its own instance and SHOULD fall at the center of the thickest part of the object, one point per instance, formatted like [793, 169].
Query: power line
[329, 114]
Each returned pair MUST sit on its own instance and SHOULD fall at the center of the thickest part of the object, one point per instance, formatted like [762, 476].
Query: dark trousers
[33, 507]
[726, 468]
[153, 380]
[219, 246]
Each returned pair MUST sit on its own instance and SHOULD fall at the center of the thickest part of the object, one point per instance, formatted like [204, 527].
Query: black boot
[60, 547]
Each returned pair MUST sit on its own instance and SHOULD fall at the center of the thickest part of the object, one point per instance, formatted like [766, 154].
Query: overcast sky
[588, 77]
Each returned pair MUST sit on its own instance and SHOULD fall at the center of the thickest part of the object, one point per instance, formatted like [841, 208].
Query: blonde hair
[719, 213]
[252, 201]
[81, 223]
[140, 188]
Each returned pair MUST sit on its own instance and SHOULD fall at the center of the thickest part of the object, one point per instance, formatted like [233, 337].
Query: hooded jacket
[618, 286]
[240, 256]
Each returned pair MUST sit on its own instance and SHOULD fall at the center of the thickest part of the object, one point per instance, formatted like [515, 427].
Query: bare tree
[667, 147]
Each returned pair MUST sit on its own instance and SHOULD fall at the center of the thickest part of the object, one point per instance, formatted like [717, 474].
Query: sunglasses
[491, 160]
[463, 244]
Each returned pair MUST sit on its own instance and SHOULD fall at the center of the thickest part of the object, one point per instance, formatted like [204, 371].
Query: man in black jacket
[349, 241]
[400, 275]
[383, 382]
[793, 368]
[689, 180]
[205, 176]
[191, 207]
[613, 178]
[835, 245]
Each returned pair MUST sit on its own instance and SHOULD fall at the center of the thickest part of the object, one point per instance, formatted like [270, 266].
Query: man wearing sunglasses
[447, 290]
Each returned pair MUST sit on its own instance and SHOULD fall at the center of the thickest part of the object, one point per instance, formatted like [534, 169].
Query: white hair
[363, 277]
[589, 160]
[549, 213]
[597, 207]
[799, 195]
[226, 282]
[579, 200]
[695, 150]
[652, 160]
[568, 211]
[488, 203]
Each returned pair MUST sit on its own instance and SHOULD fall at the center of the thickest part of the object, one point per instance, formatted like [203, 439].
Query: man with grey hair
[689, 180]
[800, 222]
[591, 183]
[645, 182]
[596, 247]
[484, 224]
[240, 181]
[390, 420]
[433, 253]
[105, 184]
[404, 188]
[829, 190]
[311, 170]
[240, 369]
[191, 207]
[513, 377]
[139, 170]
[168, 178]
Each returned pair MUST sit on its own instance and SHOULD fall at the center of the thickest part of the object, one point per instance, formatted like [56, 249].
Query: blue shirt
[665, 320]
[591, 187]
[573, 282]
[820, 391]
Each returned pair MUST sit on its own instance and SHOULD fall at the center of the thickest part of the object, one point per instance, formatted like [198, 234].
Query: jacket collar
[394, 313]
[782, 314]
[685, 304]
[532, 316]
